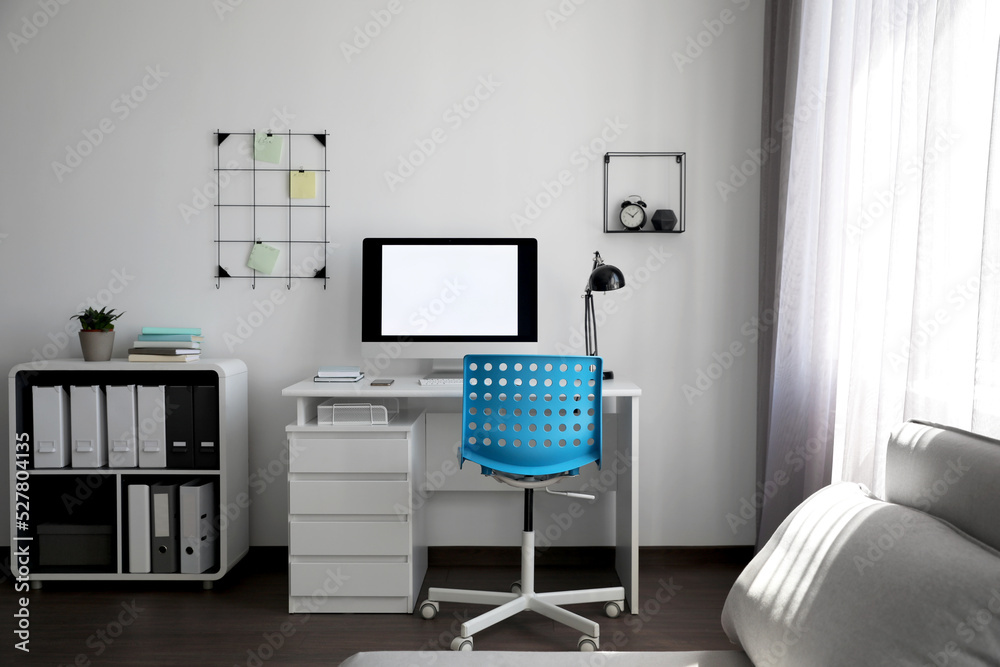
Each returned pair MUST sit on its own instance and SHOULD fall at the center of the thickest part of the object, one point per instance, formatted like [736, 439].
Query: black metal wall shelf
[615, 227]
[249, 202]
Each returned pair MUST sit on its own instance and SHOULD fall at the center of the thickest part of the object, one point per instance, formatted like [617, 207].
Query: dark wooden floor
[244, 620]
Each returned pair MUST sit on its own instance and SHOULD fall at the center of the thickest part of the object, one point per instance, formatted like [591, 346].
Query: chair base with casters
[523, 597]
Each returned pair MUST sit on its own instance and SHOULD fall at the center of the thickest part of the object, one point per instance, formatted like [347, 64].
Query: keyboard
[438, 380]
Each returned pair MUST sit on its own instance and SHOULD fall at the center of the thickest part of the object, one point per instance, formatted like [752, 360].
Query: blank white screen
[449, 290]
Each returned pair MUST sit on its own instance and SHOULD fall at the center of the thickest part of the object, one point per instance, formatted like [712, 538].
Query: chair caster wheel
[587, 644]
[429, 609]
[515, 587]
[461, 644]
[613, 609]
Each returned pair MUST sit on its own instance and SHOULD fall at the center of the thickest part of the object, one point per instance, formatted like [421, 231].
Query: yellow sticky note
[302, 184]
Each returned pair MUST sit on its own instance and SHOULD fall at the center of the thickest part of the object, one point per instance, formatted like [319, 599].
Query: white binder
[139, 537]
[88, 426]
[199, 534]
[152, 420]
[122, 421]
[50, 422]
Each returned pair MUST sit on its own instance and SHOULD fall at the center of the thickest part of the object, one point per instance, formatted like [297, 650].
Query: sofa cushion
[946, 472]
[848, 579]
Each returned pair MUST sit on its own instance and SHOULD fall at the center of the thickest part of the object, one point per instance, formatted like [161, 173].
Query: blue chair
[530, 421]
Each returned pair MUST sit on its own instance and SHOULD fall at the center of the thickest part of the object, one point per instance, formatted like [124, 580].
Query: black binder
[180, 427]
[165, 524]
[206, 428]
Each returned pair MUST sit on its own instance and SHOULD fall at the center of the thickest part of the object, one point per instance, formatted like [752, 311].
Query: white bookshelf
[88, 496]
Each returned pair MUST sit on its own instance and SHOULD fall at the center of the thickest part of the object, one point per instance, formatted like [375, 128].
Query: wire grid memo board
[256, 205]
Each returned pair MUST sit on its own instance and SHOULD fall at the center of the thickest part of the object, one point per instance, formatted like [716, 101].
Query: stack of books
[338, 374]
[166, 344]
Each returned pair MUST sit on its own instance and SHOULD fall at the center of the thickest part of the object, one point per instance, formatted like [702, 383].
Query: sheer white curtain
[883, 227]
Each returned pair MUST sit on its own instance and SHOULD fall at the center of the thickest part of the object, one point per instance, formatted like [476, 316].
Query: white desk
[621, 397]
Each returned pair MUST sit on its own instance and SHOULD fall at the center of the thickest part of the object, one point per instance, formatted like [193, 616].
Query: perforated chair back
[531, 415]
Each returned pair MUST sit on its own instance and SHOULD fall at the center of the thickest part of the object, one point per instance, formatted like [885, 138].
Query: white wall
[113, 227]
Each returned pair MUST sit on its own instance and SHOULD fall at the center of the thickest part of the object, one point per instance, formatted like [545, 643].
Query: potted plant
[97, 335]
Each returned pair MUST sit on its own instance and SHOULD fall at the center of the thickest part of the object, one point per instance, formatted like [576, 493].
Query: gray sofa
[851, 579]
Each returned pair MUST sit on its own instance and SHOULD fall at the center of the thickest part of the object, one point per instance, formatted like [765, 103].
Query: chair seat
[532, 481]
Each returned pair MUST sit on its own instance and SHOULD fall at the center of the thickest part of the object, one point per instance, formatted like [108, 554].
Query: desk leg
[626, 465]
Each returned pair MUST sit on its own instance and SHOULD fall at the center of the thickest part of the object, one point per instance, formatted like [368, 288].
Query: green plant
[92, 319]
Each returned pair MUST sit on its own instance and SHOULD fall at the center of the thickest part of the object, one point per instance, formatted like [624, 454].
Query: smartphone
[382, 382]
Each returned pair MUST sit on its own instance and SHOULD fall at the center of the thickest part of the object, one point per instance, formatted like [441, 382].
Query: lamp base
[609, 375]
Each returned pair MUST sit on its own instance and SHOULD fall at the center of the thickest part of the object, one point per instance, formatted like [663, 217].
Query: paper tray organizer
[374, 412]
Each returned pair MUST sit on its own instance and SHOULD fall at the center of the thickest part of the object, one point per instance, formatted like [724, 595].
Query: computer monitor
[443, 298]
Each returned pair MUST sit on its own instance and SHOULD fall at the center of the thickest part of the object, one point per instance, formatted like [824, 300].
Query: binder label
[161, 515]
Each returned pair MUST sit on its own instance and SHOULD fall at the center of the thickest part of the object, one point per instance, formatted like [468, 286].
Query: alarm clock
[633, 213]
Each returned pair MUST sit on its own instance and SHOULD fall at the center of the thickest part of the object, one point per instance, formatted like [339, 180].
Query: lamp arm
[589, 324]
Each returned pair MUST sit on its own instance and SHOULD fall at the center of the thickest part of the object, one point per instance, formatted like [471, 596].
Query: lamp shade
[606, 278]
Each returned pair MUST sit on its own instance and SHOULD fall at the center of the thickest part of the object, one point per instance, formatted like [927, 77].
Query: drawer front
[349, 579]
[349, 605]
[349, 538]
[345, 497]
[347, 455]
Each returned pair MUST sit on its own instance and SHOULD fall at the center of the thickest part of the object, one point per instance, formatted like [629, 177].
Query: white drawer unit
[354, 542]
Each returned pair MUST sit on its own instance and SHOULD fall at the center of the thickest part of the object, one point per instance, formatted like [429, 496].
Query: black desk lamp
[603, 278]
